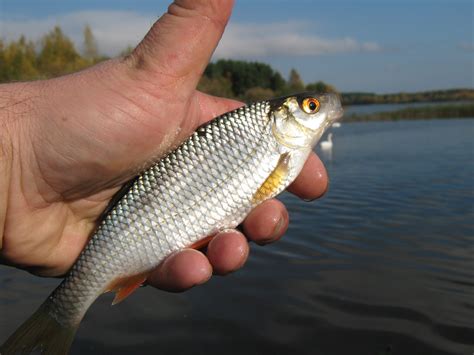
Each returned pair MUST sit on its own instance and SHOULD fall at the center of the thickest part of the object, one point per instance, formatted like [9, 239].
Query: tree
[218, 86]
[17, 60]
[246, 75]
[90, 45]
[257, 94]
[278, 84]
[320, 86]
[295, 83]
[58, 55]
[54, 55]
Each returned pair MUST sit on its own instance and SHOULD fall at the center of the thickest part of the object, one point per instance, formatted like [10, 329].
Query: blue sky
[378, 46]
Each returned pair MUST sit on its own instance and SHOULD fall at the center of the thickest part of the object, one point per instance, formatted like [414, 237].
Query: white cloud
[113, 30]
[291, 39]
[116, 30]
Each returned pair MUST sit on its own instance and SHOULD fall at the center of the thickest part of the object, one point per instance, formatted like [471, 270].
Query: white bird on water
[327, 144]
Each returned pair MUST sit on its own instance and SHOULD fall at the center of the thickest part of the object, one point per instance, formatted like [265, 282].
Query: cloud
[113, 30]
[116, 30]
[289, 39]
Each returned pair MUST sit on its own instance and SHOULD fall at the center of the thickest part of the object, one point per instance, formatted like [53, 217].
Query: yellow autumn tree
[17, 60]
[58, 55]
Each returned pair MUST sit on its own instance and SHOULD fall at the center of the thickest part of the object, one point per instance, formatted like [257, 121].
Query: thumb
[180, 44]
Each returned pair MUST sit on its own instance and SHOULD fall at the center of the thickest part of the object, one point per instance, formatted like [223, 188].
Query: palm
[110, 145]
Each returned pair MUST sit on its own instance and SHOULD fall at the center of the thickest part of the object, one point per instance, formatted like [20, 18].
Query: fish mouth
[335, 115]
[336, 111]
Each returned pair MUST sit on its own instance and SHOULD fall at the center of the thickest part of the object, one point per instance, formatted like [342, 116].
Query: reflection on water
[384, 264]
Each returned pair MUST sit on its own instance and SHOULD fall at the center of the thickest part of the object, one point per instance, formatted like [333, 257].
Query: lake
[383, 264]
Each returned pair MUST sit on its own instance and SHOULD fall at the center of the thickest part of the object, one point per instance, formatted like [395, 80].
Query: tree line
[358, 98]
[445, 111]
[252, 81]
[55, 54]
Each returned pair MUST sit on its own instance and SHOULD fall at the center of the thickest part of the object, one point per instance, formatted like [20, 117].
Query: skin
[67, 144]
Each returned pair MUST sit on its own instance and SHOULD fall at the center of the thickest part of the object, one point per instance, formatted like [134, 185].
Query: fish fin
[123, 287]
[273, 182]
[40, 332]
[201, 243]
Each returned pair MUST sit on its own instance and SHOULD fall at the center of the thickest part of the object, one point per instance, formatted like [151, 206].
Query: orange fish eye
[310, 105]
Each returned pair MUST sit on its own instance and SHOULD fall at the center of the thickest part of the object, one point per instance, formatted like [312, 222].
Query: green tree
[320, 86]
[257, 94]
[246, 75]
[218, 86]
[278, 84]
[295, 83]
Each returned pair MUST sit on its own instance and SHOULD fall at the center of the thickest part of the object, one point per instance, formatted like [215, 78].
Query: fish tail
[41, 332]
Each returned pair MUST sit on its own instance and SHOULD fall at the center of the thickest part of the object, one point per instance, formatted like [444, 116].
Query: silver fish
[209, 183]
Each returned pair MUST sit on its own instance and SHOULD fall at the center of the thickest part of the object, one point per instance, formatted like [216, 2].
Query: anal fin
[201, 243]
[123, 287]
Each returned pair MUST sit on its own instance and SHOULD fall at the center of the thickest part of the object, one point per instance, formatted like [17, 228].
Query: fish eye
[310, 105]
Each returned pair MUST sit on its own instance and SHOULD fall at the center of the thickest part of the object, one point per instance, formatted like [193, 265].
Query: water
[384, 264]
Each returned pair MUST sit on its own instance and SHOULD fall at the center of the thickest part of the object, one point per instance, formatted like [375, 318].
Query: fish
[209, 183]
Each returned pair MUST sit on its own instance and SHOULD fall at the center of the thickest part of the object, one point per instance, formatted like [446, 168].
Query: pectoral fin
[272, 185]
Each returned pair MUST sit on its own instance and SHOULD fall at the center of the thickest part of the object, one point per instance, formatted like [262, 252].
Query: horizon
[390, 53]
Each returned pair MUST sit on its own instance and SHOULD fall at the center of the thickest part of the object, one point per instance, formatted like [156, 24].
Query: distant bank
[414, 113]
[361, 98]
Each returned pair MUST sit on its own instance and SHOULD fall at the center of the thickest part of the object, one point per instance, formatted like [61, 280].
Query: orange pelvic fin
[123, 287]
[201, 243]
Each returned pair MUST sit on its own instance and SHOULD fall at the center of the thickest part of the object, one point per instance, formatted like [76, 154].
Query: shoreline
[452, 111]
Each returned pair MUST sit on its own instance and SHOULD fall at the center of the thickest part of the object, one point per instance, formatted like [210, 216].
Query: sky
[378, 46]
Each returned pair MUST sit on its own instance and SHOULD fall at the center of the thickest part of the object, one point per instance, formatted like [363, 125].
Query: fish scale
[209, 183]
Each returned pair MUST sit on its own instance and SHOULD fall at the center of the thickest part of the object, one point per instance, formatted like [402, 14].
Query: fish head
[300, 120]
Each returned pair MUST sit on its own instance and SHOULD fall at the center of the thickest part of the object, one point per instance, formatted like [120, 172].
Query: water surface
[383, 264]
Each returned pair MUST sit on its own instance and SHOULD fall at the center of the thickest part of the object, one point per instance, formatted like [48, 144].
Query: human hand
[67, 144]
